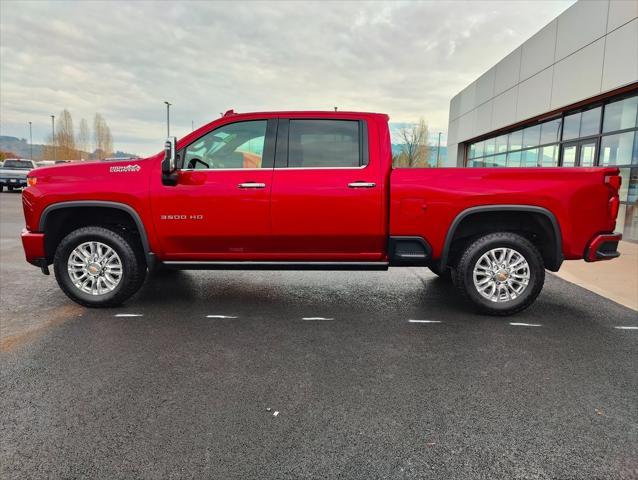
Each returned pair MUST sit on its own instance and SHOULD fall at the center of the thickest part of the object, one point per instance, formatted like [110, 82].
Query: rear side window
[324, 144]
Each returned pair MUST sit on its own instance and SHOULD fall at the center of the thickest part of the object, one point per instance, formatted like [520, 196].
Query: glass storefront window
[478, 149]
[621, 114]
[531, 136]
[550, 131]
[590, 122]
[617, 149]
[499, 160]
[514, 159]
[530, 158]
[489, 147]
[588, 154]
[630, 184]
[569, 155]
[571, 126]
[630, 226]
[501, 144]
[549, 156]
[516, 140]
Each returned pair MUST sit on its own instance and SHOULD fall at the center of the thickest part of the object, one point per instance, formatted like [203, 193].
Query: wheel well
[535, 226]
[62, 221]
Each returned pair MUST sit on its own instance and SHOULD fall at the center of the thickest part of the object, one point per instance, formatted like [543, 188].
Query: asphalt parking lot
[310, 375]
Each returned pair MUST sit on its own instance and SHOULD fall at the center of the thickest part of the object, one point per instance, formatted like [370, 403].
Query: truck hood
[96, 169]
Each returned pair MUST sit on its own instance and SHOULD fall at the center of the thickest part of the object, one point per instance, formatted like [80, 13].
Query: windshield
[22, 164]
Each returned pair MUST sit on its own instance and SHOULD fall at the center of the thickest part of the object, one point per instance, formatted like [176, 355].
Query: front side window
[323, 144]
[236, 145]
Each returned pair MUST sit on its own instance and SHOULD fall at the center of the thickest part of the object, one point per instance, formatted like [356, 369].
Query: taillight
[614, 205]
[613, 182]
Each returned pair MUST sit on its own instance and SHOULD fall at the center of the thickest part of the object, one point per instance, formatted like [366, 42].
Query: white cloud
[124, 59]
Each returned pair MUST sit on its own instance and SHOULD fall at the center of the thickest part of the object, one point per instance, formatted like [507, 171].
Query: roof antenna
[335, 109]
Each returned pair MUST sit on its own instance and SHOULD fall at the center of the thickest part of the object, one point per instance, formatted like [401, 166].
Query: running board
[250, 265]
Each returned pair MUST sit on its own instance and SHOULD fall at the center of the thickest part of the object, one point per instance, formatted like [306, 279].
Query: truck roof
[296, 113]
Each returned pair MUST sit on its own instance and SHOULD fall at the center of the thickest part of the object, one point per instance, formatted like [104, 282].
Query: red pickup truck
[312, 190]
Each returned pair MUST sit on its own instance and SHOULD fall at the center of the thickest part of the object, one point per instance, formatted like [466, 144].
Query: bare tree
[84, 138]
[415, 146]
[65, 138]
[102, 137]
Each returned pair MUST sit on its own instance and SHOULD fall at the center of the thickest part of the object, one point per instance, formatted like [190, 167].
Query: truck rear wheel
[501, 273]
[97, 267]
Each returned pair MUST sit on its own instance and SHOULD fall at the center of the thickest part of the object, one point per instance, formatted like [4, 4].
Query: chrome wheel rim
[501, 275]
[95, 268]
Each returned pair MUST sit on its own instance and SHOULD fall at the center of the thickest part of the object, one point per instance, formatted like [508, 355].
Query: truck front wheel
[97, 267]
[501, 273]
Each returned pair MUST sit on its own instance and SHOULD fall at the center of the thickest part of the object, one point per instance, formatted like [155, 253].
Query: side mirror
[169, 165]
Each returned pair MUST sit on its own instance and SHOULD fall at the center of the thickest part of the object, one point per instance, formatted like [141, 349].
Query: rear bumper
[603, 247]
[13, 182]
[33, 244]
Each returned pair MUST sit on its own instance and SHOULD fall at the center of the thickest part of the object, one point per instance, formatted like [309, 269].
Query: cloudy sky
[123, 59]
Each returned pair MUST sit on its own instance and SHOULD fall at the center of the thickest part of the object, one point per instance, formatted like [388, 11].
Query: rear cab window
[322, 143]
[18, 164]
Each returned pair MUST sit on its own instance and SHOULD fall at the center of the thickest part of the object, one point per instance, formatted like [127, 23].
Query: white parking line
[220, 316]
[629, 327]
[129, 314]
[519, 324]
[317, 318]
[424, 321]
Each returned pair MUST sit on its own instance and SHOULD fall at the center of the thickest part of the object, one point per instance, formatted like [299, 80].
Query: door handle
[251, 185]
[362, 185]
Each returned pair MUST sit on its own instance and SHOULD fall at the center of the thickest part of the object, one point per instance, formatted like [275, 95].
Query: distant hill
[20, 146]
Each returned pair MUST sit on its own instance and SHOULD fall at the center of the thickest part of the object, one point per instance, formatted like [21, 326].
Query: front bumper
[603, 247]
[33, 244]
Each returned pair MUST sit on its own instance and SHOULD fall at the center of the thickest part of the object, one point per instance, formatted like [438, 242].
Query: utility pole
[438, 149]
[168, 118]
[53, 137]
[30, 141]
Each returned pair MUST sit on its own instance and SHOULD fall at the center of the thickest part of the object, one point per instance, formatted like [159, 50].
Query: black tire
[464, 273]
[10, 188]
[1, 188]
[445, 274]
[130, 253]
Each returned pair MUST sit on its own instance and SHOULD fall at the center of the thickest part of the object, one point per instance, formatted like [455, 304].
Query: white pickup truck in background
[13, 173]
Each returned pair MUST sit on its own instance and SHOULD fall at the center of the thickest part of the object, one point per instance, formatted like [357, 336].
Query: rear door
[328, 192]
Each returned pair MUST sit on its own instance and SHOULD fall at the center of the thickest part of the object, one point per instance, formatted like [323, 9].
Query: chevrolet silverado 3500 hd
[312, 190]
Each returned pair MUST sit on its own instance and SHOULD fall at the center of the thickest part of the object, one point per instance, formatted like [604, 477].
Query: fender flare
[104, 204]
[558, 238]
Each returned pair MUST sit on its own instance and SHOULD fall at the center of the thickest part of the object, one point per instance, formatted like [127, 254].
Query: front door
[327, 199]
[220, 207]
[579, 154]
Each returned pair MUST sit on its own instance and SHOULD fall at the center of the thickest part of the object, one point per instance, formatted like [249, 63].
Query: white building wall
[589, 49]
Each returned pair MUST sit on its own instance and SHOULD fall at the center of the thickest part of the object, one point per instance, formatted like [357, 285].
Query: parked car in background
[45, 163]
[13, 173]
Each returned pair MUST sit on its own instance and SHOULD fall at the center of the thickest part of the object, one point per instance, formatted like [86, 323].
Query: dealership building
[566, 97]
